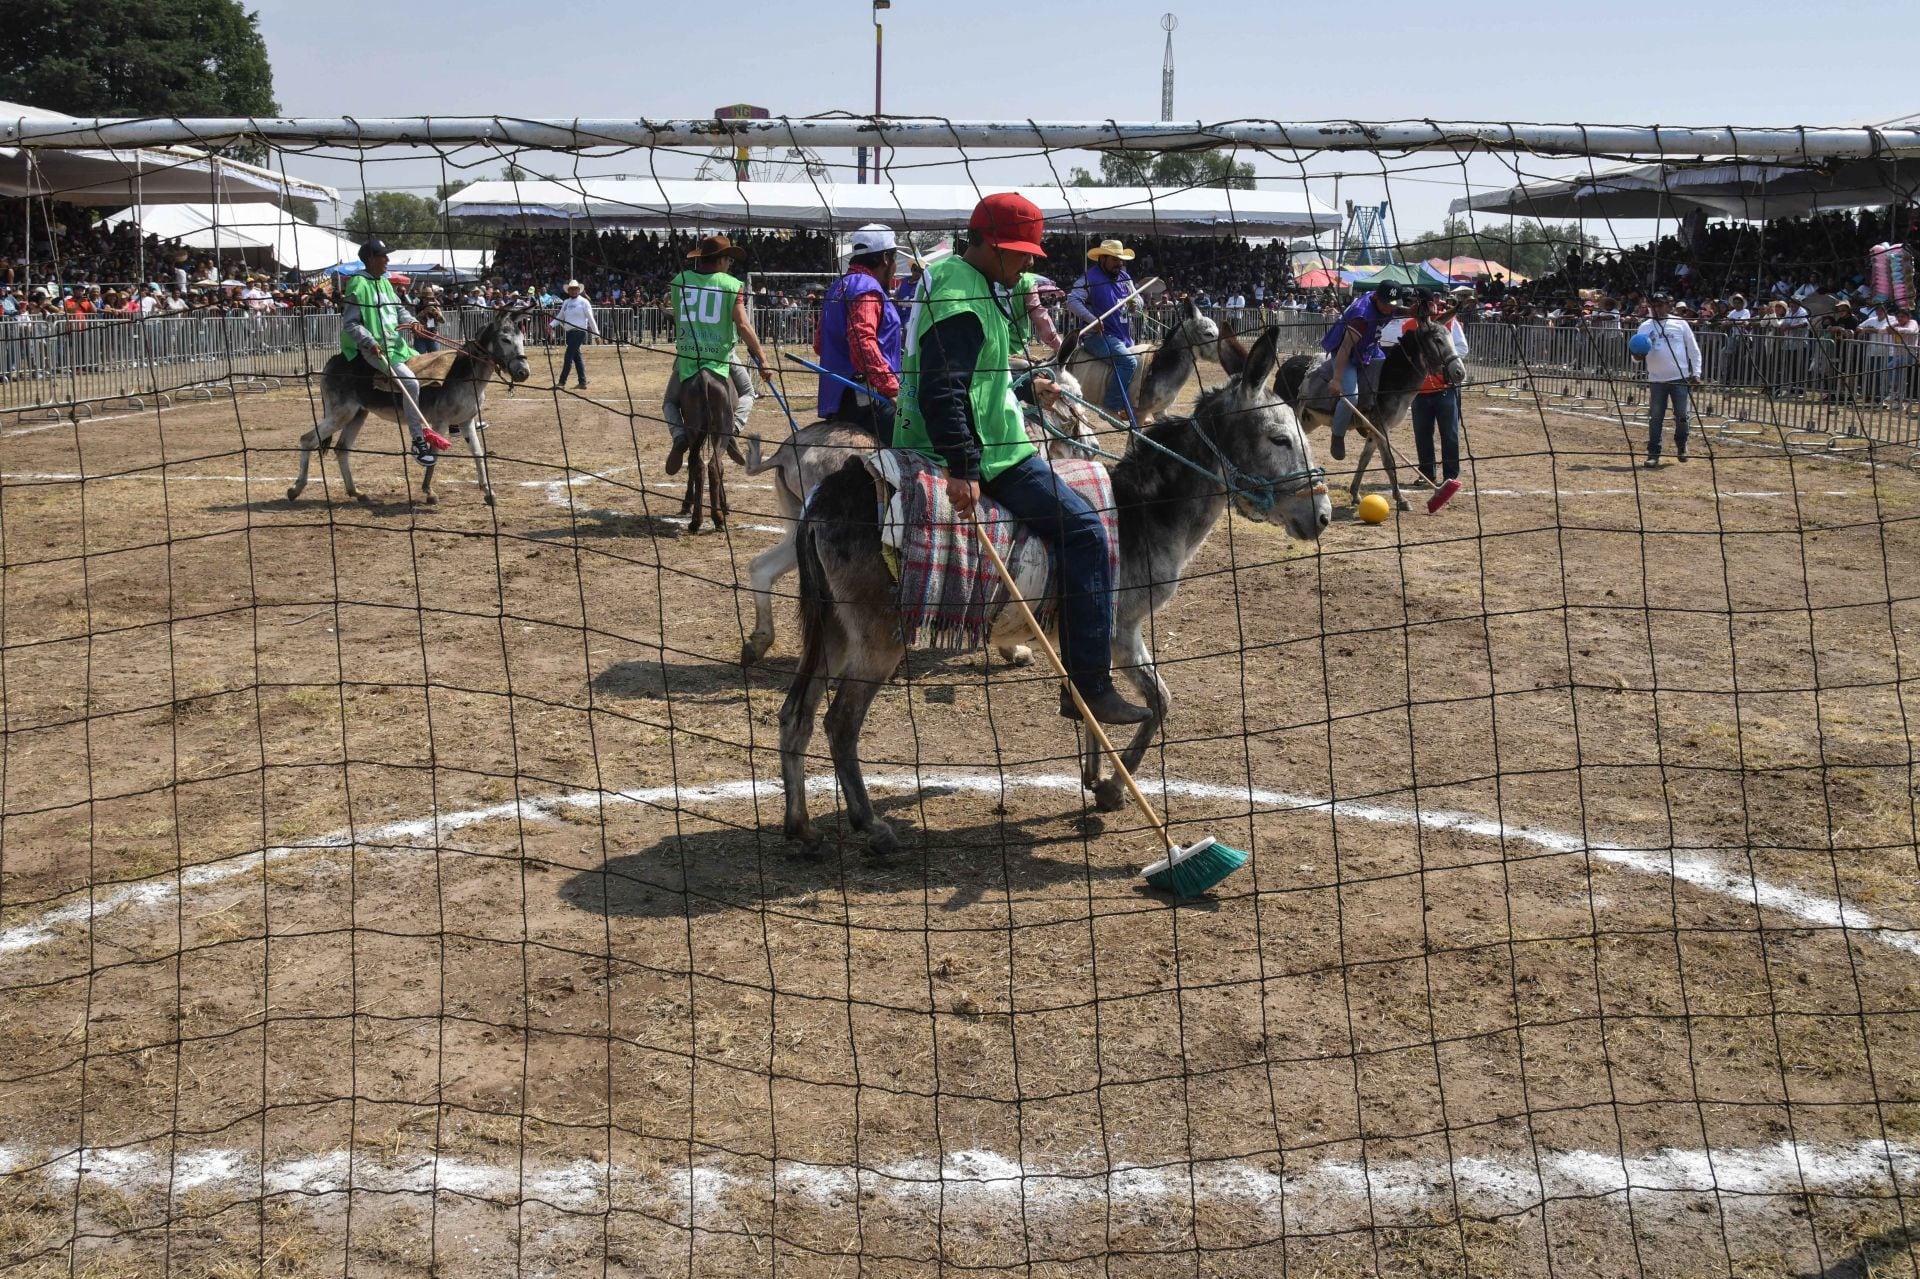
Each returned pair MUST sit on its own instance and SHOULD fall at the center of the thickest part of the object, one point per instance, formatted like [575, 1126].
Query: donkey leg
[1360, 471]
[1393, 471]
[1133, 662]
[869, 663]
[797, 714]
[478, 448]
[768, 567]
[696, 484]
[332, 417]
[343, 450]
[717, 487]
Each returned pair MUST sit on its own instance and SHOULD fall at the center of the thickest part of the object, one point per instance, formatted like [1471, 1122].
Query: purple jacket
[1097, 291]
[836, 353]
[1367, 318]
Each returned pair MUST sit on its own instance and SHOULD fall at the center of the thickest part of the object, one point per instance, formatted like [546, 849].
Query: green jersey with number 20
[703, 311]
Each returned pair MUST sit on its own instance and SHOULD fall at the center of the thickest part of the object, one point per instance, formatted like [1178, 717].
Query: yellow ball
[1373, 508]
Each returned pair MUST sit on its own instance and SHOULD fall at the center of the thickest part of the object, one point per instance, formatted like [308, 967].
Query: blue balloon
[1640, 343]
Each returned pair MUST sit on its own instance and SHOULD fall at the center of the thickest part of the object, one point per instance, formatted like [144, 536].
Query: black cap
[374, 249]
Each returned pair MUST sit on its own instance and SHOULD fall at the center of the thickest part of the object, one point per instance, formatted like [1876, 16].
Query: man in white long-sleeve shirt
[575, 321]
[1673, 370]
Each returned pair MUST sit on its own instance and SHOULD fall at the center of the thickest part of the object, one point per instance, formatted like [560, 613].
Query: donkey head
[500, 341]
[1272, 475]
[1430, 347]
[1197, 332]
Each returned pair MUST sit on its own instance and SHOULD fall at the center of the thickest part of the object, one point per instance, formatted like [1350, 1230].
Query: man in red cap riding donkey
[958, 406]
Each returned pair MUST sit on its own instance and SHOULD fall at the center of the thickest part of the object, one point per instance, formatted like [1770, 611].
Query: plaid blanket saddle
[948, 590]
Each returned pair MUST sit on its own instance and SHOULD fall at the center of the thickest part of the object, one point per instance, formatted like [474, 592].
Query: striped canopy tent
[1463, 270]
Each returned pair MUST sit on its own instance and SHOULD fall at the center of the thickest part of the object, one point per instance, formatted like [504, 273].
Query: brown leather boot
[676, 456]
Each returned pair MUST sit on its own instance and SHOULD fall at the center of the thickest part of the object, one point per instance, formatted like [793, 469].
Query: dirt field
[1554, 801]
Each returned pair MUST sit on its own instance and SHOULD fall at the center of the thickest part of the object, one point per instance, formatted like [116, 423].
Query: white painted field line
[1697, 868]
[73, 477]
[1660, 493]
[1312, 1195]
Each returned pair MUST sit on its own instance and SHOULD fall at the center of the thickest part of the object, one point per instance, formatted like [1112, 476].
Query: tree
[135, 58]
[407, 221]
[304, 209]
[513, 173]
[1166, 169]
[1532, 248]
[446, 189]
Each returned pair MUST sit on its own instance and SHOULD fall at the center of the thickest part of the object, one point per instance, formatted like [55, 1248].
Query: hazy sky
[1758, 63]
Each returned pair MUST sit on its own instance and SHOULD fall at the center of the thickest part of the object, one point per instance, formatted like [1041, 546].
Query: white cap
[874, 237]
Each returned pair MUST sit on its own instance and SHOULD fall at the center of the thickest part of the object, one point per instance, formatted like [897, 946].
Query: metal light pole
[878, 5]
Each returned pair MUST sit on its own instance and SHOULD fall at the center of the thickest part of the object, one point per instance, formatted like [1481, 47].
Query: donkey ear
[1261, 359]
[1233, 352]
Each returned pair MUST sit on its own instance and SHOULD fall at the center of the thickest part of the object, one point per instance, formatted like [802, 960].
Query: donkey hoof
[881, 841]
[755, 648]
[358, 496]
[1403, 504]
[802, 833]
[1109, 796]
[431, 499]
[489, 497]
[293, 494]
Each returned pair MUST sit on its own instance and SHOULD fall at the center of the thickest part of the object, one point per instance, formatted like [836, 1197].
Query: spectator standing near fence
[1673, 370]
[710, 319]
[575, 322]
[1436, 408]
[1099, 290]
[860, 335]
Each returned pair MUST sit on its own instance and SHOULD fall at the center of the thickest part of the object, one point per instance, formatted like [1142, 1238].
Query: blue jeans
[1350, 395]
[1121, 365]
[1060, 517]
[573, 358]
[1659, 395]
[1438, 411]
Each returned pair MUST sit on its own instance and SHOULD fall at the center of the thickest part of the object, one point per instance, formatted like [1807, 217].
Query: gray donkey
[1423, 350]
[350, 390]
[1163, 371]
[1059, 426]
[1242, 445]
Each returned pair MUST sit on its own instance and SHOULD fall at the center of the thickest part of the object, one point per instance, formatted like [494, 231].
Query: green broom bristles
[1189, 872]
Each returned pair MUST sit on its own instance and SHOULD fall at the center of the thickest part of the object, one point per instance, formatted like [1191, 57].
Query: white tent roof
[1728, 188]
[291, 242]
[149, 175]
[644, 202]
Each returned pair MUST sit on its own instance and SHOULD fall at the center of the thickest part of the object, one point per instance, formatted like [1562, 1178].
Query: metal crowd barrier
[1812, 385]
[49, 362]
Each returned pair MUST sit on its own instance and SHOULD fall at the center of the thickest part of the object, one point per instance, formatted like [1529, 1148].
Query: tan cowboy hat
[715, 246]
[574, 284]
[1110, 249]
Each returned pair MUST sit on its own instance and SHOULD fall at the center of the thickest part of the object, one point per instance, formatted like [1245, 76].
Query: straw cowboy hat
[574, 284]
[1110, 249]
[715, 246]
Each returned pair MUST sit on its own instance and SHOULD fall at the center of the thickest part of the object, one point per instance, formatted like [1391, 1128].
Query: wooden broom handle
[1046, 646]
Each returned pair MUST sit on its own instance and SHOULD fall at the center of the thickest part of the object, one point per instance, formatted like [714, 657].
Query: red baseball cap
[1008, 220]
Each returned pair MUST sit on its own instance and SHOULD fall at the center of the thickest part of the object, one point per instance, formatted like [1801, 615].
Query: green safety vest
[380, 312]
[950, 288]
[703, 315]
[1023, 322]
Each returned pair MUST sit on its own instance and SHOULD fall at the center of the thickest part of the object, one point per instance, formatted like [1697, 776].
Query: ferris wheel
[791, 163]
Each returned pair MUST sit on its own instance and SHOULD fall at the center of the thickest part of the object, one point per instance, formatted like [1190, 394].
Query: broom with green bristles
[1184, 872]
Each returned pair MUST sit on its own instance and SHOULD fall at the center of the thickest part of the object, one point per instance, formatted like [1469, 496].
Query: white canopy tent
[288, 240]
[645, 202]
[1728, 189]
[143, 175]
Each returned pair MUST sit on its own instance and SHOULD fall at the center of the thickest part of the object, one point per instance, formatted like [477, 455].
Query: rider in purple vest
[1105, 284]
[1354, 344]
[860, 336]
